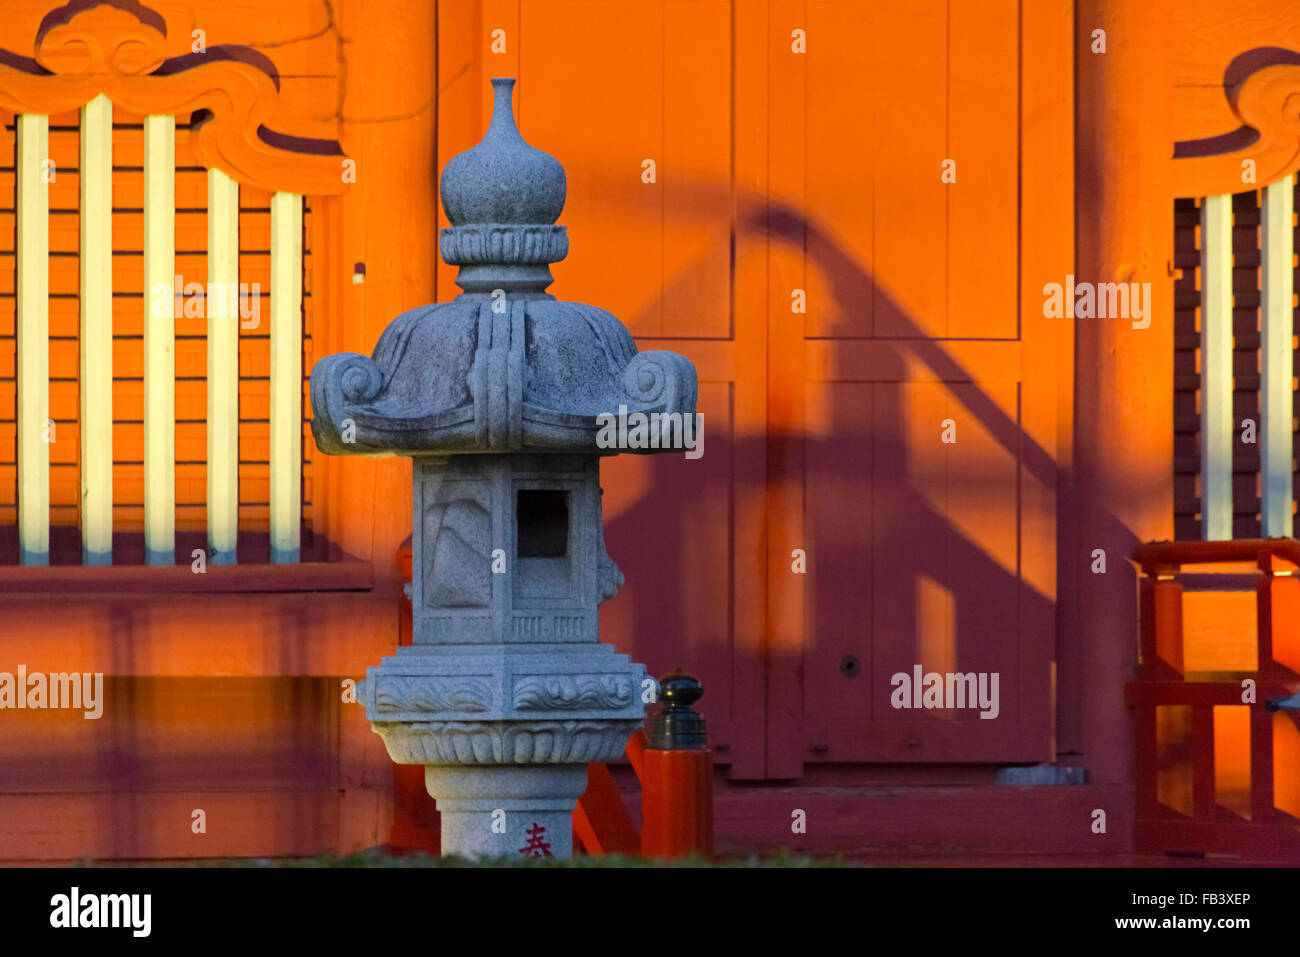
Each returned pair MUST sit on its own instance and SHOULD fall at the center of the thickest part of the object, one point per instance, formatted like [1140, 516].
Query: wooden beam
[96, 347]
[223, 367]
[33, 333]
[601, 821]
[1277, 358]
[159, 340]
[1216, 368]
[286, 376]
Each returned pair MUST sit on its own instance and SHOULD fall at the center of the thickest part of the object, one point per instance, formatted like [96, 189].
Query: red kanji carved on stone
[536, 846]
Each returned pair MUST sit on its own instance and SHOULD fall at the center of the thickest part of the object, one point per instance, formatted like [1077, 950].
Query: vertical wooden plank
[1203, 777]
[840, 195]
[695, 170]
[751, 300]
[1167, 635]
[96, 347]
[159, 340]
[982, 141]
[1231, 728]
[223, 366]
[33, 333]
[1277, 357]
[1176, 758]
[286, 376]
[1146, 747]
[910, 270]
[1262, 783]
[614, 216]
[463, 95]
[1216, 367]
[1045, 242]
[788, 239]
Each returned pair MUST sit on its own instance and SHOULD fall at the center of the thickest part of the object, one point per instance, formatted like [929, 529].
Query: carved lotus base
[505, 742]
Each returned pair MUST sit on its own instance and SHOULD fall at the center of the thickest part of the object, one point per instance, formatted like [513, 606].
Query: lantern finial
[503, 198]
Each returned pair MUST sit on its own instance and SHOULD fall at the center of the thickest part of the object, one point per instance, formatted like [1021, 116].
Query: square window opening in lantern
[542, 523]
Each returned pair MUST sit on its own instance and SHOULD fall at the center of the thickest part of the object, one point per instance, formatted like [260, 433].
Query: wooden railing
[1194, 727]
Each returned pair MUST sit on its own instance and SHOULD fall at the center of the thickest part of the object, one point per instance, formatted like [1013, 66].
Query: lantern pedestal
[507, 811]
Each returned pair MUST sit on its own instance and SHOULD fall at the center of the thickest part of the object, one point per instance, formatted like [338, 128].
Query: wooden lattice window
[155, 299]
[251, 395]
[1240, 389]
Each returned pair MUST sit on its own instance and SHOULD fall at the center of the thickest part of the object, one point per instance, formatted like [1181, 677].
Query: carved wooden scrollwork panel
[155, 61]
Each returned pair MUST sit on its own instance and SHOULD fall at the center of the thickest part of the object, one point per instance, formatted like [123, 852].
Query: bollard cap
[678, 726]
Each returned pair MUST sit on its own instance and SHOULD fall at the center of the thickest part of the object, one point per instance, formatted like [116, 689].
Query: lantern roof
[504, 366]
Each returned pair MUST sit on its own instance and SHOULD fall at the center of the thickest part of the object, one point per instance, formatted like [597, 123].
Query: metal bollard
[677, 781]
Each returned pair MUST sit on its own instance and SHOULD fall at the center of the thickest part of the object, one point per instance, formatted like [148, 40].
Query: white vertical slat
[159, 340]
[1277, 357]
[33, 331]
[223, 366]
[1216, 367]
[286, 375]
[96, 347]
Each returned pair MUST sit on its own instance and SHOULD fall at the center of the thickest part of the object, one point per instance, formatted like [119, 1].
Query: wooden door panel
[893, 94]
[785, 176]
[918, 321]
[944, 550]
[913, 560]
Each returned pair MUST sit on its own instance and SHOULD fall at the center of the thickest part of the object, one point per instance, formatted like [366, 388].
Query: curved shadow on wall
[871, 532]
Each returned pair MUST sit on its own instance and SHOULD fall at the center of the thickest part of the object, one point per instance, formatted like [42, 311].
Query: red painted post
[677, 776]
[677, 801]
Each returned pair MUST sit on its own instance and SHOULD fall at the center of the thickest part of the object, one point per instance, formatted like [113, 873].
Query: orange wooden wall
[777, 170]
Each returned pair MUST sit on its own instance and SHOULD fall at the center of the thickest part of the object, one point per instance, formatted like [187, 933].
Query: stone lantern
[500, 397]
